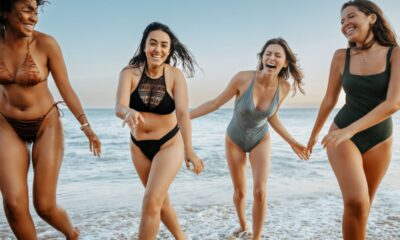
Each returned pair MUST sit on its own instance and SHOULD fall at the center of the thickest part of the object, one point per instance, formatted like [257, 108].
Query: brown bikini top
[27, 74]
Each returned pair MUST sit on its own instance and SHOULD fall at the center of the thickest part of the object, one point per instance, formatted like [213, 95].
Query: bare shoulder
[45, 41]
[395, 53]
[339, 55]
[284, 86]
[242, 77]
[130, 73]
[174, 72]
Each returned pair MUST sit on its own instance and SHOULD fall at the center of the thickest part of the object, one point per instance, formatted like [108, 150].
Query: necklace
[363, 59]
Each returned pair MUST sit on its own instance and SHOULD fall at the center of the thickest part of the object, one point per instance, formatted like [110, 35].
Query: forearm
[121, 111]
[281, 130]
[323, 113]
[74, 105]
[186, 130]
[377, 115]
[203, 109]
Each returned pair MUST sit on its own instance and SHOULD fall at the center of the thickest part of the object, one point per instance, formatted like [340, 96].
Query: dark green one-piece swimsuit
[364, 93]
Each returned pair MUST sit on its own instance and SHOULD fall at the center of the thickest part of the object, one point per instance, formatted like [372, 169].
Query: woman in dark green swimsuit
[359, 142]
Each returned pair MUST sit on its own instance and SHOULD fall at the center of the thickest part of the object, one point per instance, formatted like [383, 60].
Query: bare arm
[217, 102]
[58, 70]
[122, 109]
[180, 93]
[331, 96]
[378, 114]
[277, 125]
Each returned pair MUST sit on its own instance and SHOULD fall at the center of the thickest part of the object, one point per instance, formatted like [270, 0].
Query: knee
[358, 207]
[15, 207]
[239, 195]
[152, 204]
[44, 207]
[259, 194]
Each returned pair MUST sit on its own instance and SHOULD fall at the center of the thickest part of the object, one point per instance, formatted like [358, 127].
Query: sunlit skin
[358, 175]
[266, 83]
[158, 174]
[27, 103]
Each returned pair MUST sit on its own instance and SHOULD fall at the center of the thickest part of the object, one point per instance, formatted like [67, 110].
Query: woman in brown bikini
[29, 116]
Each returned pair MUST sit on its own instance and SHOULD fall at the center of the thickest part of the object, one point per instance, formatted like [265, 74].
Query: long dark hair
[381, 29]
[292, 69]
[6, 6]
[177, 52]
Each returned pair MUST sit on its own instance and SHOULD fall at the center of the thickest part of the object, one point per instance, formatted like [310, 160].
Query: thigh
[47, 155]
[236, 159]
[165, 166]
[376, 161]
[260, 157]
[14, 163]
[141, 162]
[347, 164]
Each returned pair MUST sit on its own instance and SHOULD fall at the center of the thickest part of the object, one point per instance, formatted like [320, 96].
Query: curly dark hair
[381, 29]
[293, 67]
[7, 5]
[178, 50]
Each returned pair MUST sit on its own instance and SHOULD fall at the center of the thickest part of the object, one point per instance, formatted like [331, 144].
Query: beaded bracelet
[84, 125]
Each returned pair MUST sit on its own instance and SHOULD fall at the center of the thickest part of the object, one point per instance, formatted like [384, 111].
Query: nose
[33, 17]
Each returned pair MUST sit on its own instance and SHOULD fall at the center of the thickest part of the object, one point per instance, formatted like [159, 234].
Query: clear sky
[98, 38]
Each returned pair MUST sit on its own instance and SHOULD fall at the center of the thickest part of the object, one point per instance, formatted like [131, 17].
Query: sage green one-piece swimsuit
[363, 94]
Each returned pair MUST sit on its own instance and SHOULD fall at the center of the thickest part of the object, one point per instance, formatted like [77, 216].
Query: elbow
[182, 114]
[393, 106]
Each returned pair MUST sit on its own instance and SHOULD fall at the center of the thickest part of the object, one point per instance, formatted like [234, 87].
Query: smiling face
[157, 49]
[274, 59]
[23, 17]
[356, 24]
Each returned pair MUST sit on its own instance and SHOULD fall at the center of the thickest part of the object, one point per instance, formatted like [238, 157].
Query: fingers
[187, 162]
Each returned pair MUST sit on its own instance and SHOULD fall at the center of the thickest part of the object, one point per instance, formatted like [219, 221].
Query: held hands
[311, 142]
[198, 164]
[132, 118]
[300, 150]
[336, 137]
[94, 141]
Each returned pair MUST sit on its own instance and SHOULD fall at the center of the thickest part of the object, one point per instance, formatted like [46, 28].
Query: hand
[311, 142]
[336, 137]
[300, 150]
[198, 164]
[132, 118]
[94, 141]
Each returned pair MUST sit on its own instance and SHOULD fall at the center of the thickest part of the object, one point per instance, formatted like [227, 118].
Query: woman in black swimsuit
[359, 142]
[152, 99]
[29, 115]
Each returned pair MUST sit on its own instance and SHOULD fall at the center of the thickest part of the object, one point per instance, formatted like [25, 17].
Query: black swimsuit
[363, 94]
[151, 96]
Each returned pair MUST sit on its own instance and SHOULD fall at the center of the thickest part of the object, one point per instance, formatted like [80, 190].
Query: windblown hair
[292, 69]
[381, 29]
[6, 6]
[178, 51]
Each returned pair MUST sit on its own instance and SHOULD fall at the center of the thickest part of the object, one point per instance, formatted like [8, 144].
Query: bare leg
[347, 164]
[14, 165]
[47, 155]
[376, 162]
[168, 214]
[236, 158]
[260, 163]
[164, 168]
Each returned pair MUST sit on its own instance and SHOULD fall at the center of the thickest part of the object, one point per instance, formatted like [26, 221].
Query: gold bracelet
[80, 115]
[84, 125]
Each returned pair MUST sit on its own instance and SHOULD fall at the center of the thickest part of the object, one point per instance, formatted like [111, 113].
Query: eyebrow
[155, 40]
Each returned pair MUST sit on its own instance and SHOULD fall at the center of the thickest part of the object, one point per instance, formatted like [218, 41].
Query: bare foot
[75, 234]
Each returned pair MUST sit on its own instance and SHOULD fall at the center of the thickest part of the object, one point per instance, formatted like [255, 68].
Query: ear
[372, 18]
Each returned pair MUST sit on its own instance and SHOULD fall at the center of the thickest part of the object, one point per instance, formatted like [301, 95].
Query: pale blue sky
[99, 37]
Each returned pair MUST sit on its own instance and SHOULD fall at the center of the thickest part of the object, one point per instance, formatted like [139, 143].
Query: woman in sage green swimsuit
[359, 142]
[258, 96]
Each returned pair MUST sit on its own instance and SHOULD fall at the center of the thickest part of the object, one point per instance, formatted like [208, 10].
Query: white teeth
[349, 30]
[29, 26]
